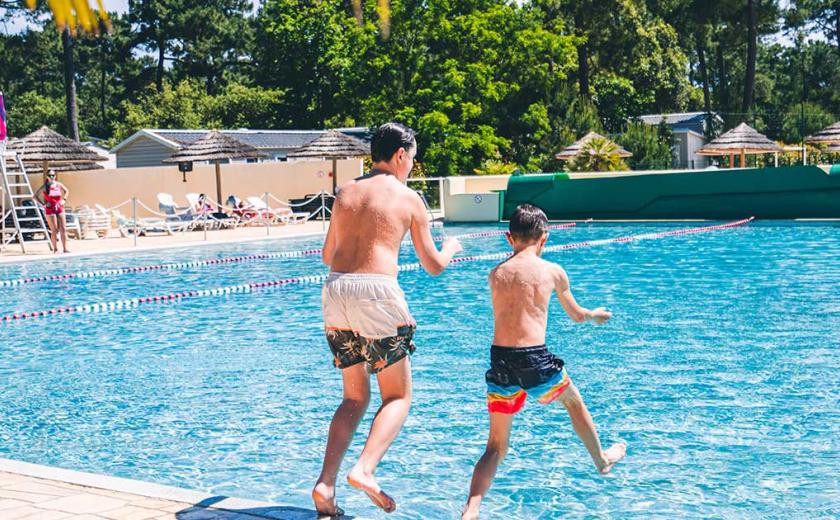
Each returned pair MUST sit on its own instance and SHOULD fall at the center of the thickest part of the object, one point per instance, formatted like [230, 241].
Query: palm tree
[75, 15]
[598, 155]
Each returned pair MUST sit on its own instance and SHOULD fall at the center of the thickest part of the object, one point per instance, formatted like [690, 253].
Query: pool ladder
[432, 222]
[17, 190]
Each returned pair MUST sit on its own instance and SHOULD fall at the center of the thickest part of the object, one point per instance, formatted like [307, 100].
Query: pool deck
[35, 251]
[114, 244]
[35, 492]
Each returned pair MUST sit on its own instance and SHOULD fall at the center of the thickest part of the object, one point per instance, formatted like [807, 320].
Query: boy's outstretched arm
[573, 309]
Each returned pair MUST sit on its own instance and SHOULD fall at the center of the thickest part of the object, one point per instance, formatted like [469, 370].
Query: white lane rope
[118, 271]
[249, 287]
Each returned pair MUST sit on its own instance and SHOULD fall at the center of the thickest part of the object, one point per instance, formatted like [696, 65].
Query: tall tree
[820, 15]
[156, 24]
[215, 39]
[70, 84]
[752, 50]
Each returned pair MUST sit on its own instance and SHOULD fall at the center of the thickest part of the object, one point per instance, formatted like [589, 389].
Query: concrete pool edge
[47, 258]
[136, 487]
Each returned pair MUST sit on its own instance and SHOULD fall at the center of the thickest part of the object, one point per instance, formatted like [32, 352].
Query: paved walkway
[114, 243]
[25, 493]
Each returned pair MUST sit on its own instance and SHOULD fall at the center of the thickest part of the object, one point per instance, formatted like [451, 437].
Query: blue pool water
[720, 370]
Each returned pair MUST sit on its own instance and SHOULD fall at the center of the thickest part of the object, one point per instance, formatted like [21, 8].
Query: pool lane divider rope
[215, 261]
[283, 282]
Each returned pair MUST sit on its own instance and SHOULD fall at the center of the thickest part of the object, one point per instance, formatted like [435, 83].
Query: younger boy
[520, 364]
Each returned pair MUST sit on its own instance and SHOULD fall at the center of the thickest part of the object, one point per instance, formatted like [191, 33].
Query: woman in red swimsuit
[54, 194]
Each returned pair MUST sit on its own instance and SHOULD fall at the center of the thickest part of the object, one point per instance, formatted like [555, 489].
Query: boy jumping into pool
[368, 325]
[520, 363]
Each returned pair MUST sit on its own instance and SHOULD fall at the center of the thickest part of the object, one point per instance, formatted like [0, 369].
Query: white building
[149, 146]
[689, 130]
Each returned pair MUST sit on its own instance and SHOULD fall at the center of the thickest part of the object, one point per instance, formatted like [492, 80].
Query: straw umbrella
[575, 148]
[215, 146]
[743, 140]
[828, 135]
[49, 149]
[332, 145]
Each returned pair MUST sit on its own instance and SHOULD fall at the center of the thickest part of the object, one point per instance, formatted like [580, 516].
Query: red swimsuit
[53, 199]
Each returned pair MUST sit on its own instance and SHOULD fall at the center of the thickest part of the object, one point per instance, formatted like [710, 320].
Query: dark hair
[528, 223]
[389, 138]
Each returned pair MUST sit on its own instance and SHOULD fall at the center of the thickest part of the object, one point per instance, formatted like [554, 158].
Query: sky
[119, 6]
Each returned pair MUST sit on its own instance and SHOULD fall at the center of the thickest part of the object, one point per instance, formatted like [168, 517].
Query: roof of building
[214, 146]
[260, 139]
[678, 118]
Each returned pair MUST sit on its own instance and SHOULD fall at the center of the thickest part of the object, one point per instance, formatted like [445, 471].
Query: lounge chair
[243, 212]
[173, 213]
[93, 220]
[215, 219]
[144, 226]
[282, 215]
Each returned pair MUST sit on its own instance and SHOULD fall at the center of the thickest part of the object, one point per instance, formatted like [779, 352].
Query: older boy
[368, 325]
[521, 289]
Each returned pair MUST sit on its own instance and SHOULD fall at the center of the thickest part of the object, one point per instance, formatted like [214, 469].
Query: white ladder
[432, 222]
[16, 190]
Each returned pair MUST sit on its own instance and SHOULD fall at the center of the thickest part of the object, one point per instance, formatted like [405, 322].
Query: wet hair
[528, 223]
[389, 138]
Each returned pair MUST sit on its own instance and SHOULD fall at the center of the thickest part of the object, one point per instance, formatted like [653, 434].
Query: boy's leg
[342, 428]
[485, 469]
[585, 429]
[395, 388]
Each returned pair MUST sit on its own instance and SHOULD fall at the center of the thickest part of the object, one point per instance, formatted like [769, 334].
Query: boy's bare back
[521, 289]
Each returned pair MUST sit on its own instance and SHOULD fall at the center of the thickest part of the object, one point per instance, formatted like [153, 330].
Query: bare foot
[324, 498]
[610, 456]
[368, 484]
[470, 513]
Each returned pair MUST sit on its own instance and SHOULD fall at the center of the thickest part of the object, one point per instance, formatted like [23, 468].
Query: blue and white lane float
[283, 282]
[117, 271]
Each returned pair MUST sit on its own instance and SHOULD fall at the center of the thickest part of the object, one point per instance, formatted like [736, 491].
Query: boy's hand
[451, 246]
[600, 315]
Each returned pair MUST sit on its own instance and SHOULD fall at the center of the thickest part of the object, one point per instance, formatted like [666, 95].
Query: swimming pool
[720, 369]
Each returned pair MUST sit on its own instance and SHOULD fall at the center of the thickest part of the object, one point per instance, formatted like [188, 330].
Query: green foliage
[187, 105]
[184, 106]
[487, 83]
[30, 111]
[493, 167]
[809, 118]
[239, 106]
[650, 148]
[598, 155]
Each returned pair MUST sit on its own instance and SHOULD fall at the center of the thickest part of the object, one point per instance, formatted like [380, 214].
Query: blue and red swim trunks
[516, 372]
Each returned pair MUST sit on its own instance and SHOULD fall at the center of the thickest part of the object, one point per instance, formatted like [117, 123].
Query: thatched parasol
[828, 135]
[332, 145]
[835, 148]
[575, 148]
[50, 149]
[215, 146]
[743, 139]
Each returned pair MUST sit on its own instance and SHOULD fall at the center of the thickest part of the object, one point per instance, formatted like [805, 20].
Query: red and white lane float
[283, 282]
[213, 261]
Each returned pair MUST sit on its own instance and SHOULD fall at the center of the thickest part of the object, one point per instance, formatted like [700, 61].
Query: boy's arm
[567, 300]
[432, 260]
